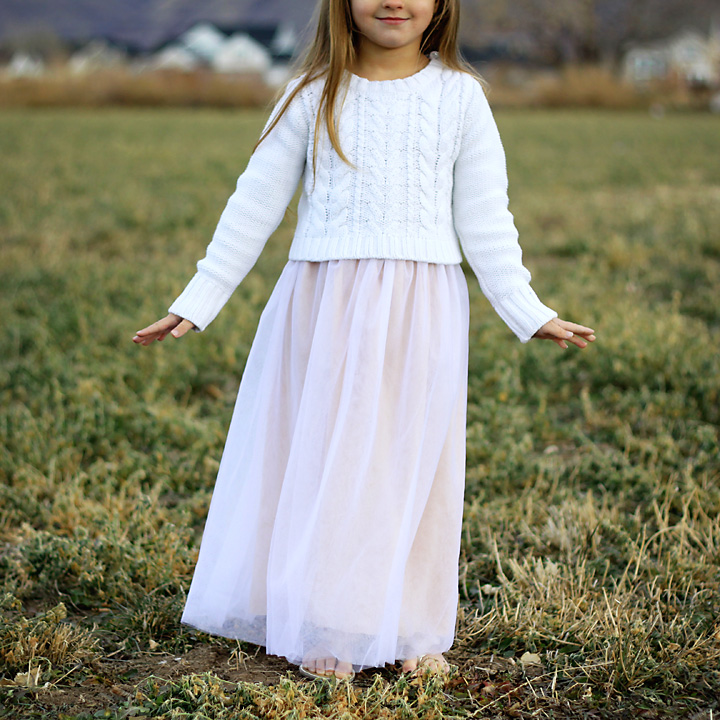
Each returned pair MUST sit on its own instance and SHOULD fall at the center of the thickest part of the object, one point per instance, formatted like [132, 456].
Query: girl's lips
[393, 21]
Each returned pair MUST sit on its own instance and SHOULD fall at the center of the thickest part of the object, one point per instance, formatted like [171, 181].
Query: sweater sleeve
[251, 215]
[485, 226]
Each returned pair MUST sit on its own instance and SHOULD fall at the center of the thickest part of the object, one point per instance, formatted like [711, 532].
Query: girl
[333, 533]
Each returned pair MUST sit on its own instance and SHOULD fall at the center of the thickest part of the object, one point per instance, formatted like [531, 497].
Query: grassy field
[590, 567]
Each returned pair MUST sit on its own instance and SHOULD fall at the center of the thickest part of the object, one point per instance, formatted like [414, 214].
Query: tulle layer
[334, 526]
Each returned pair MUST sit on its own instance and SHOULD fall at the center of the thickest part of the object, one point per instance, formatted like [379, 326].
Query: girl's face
[392, 24]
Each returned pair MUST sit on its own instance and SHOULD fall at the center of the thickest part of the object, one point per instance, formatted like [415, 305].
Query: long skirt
[335, 522]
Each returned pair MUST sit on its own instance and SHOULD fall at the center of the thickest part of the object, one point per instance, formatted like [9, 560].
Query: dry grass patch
[40, 644]
[628, 601]
[121, 87]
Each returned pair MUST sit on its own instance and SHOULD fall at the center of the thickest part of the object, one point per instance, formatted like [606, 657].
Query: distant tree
[584, 30]
[624, 21]
[42, 43]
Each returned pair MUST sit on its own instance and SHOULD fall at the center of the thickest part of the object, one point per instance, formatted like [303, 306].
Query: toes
[343, 670]
[410, 665]
[435, 663]
[330, 667]
[316, 665]
[426, 663]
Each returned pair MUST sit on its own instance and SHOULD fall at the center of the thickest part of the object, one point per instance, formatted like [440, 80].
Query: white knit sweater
[429, 170]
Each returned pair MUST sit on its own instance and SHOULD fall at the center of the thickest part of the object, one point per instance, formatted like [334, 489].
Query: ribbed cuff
[200, 301]
[523, 312]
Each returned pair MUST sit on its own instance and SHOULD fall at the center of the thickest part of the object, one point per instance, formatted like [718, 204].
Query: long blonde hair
[334, 49]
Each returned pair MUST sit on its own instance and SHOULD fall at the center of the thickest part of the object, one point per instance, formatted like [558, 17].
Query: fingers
[164, 325]
[575, 328]
[159, 330]
[151, 332]
[582, 342]
[562, 332]
[182, 328]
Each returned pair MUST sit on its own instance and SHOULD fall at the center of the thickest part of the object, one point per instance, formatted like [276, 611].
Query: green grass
[591, 533]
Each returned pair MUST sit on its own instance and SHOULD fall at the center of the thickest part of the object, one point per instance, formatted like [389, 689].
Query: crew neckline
[433, 61]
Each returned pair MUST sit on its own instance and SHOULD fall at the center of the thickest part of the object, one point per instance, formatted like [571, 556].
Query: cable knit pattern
[428, 178]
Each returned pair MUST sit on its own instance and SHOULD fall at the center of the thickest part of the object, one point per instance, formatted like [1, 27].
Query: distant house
[642, 65]
[203, 40]
[241, 54]
[174, 57]
[24, 65]
[688, 56]
[282, 42]
[195, 48]
[265, 49]
[96, 55]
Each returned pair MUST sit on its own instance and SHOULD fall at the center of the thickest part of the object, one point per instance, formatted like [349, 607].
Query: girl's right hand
[172, 324]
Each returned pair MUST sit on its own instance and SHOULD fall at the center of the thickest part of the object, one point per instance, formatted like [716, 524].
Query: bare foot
[329, 667]
[436, 664]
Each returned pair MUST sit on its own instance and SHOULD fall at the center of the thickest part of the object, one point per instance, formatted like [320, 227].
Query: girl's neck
[374, 63]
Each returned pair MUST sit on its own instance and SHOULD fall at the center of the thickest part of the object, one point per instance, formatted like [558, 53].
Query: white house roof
[175, 57]
[204, 40]
[240, 53]
[96, 54]
[24, 65]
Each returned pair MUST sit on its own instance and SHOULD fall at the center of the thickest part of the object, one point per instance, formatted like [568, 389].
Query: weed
[43, 642]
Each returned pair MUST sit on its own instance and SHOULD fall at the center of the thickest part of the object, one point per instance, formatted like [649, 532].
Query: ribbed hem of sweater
[523, 312]
[201, 301]
[422, 248]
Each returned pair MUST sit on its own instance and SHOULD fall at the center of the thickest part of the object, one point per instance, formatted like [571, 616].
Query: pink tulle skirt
[334, 527]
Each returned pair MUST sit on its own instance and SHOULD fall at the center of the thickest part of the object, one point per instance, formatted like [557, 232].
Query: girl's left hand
[562, 332]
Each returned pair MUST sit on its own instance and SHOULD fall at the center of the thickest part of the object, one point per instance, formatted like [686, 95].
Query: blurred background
[601, 53]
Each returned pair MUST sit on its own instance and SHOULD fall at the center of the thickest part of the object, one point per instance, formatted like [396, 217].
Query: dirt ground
[112, 682]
